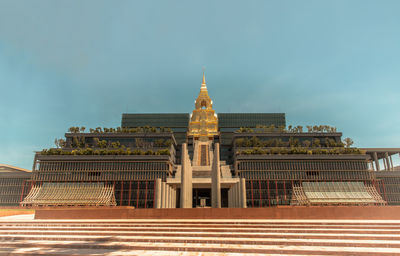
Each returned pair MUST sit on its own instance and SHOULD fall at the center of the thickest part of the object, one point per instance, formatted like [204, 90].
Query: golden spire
[203, 121]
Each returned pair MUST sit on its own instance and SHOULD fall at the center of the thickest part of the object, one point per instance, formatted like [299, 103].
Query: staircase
[199, 237]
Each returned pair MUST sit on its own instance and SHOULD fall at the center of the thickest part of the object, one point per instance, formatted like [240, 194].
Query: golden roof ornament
[203, 121]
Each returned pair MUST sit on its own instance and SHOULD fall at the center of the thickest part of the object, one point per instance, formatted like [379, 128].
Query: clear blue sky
[84, 63]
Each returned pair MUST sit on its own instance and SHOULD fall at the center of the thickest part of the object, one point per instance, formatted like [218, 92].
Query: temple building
[205, 159]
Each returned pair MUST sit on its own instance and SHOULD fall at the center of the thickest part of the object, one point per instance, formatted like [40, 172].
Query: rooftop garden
[107, 151]
[300, 150]
[256, 146]
[292, 142]
[145, 129]
[103, 147]
[290, 129]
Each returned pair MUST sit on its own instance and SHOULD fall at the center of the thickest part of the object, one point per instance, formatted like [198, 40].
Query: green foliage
[146, 129]
[163, 152]
[293, 142]
[115, 144]
[300, 150]
[102, 144]
[290, 129]
[316, 143]
[348, 142]
[60, 143]
[245, 130]
[76, 129]
[162, 143]
[306, 143]
[332, 143]
[90, 151]
[78, 142]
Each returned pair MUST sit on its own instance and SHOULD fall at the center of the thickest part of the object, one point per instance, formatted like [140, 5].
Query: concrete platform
[282, 212]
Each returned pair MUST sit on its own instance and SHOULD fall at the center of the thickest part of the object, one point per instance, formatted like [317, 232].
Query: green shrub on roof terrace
[290, 129]
[90, 151]
[145, 129]
[300, 150]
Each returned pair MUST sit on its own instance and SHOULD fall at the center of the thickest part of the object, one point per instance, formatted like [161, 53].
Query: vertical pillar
[230, 198]
[173, 198]
[216, 179]
[158, 193]
[163, 196]
[243, 199]
[170, 197]
[166, 195]
[234, 196]
[237, 195]
[391, 163]
[385, 163]
[376, 161]
[186, 179]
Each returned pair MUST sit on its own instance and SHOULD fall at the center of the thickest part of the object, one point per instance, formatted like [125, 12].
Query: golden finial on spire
[204, 77]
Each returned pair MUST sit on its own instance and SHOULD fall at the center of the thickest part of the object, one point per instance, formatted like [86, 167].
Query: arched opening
[203, 104]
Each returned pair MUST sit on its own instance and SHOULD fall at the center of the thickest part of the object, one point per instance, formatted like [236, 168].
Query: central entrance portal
[201, 197]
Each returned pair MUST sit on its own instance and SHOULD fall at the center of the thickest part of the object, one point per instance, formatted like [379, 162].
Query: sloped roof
[8, 171]
[78, 194]
[352, 193]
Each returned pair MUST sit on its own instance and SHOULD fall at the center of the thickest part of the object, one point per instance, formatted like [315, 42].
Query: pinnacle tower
[203, 121]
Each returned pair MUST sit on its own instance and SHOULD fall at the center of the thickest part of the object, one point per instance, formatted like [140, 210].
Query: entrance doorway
[201, 197]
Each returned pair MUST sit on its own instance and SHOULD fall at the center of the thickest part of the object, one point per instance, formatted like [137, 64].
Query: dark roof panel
[225, 120]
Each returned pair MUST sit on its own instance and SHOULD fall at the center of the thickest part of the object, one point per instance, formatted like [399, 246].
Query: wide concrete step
[175, 225]
[204, 247]
[204, 222]
[176, 237]
[229, 230]
[215, 235]
[207, 240]
[82, 251]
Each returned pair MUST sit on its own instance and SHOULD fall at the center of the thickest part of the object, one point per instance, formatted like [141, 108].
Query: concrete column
[195, 153]
[158, 193]
[234, 196]
[384, 163]
[173, 198]
[386, 159]
[163, 196]
[237, 196]
[216, 179]
[243, 199]
[230, 198]
[376, 161]
[167, 196]
[391, 163]
[186, 179]
[170, 197]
